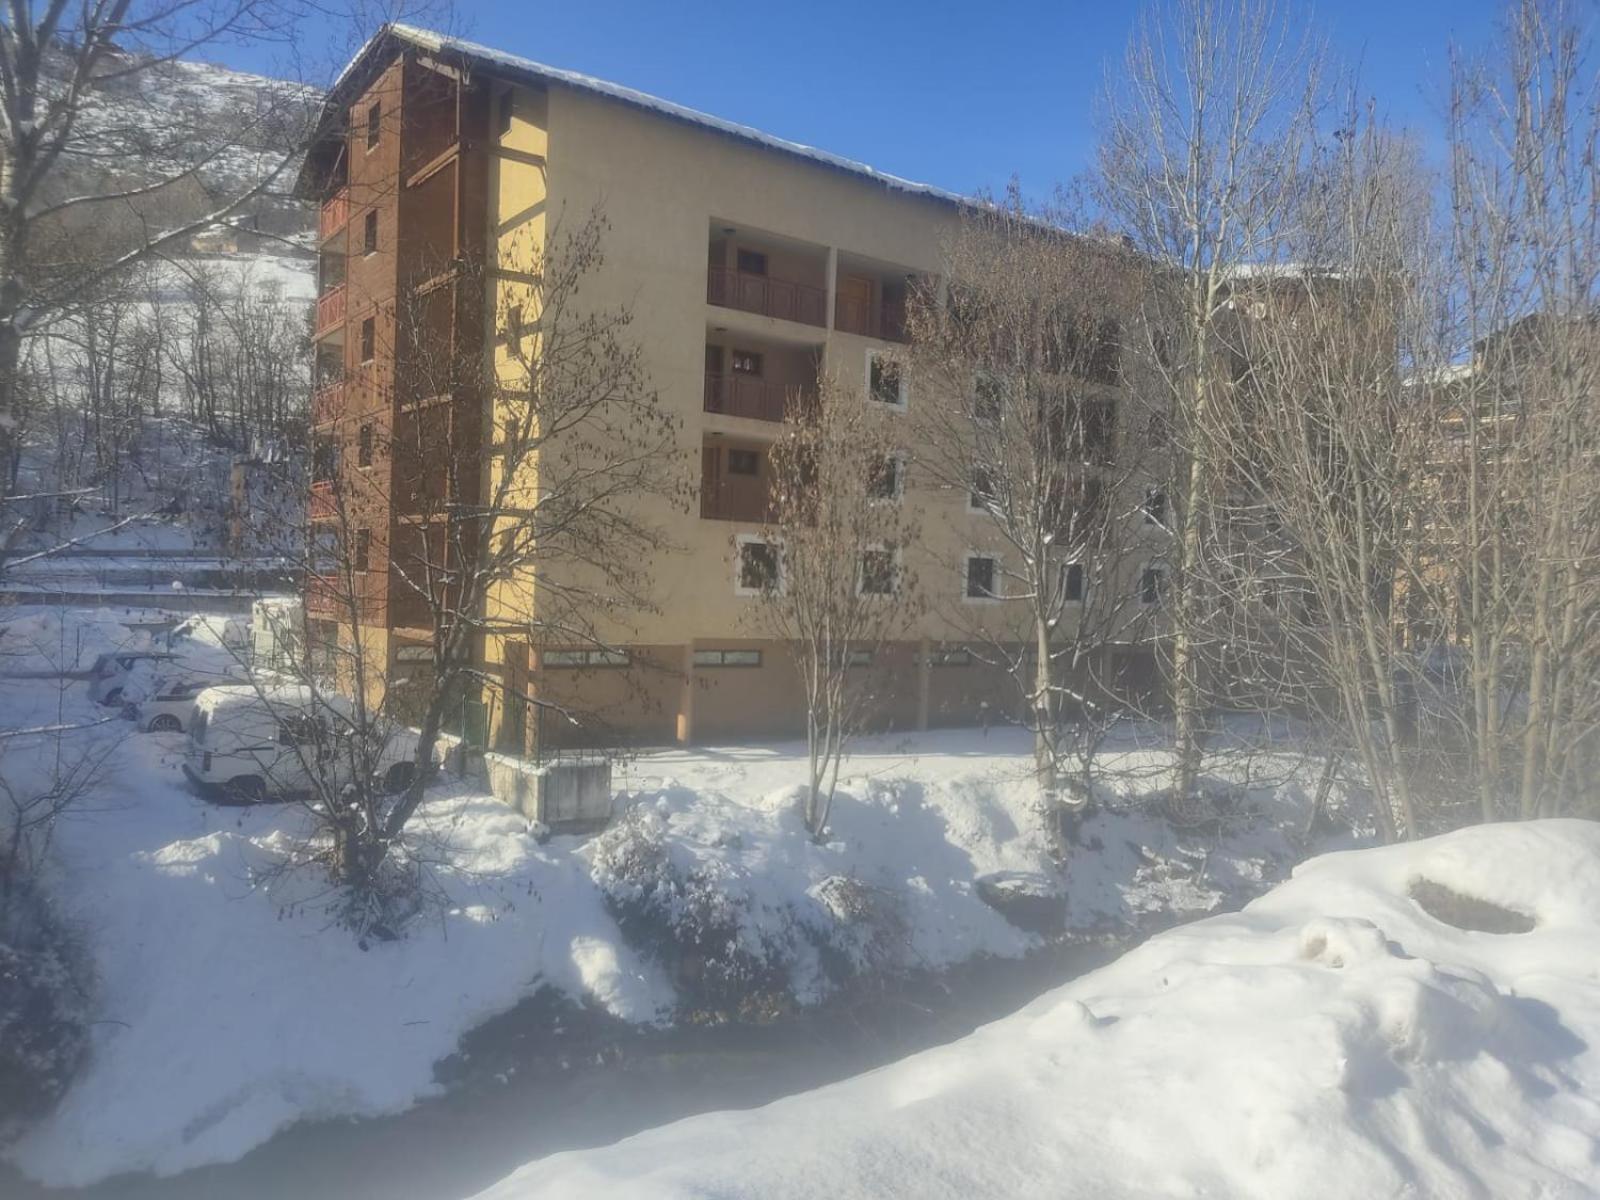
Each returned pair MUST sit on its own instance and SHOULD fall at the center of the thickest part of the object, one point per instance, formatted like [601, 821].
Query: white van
[248, 744]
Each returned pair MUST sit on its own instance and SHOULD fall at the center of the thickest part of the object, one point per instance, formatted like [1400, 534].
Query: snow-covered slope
[1333, 1039]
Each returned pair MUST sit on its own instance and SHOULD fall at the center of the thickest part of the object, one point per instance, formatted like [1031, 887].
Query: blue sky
[961, 96]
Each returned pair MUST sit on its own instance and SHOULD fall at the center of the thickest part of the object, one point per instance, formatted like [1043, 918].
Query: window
[982, 489]
[324, 460]
[363, 554]
[727, 658]
[980, 577]
[369, 339]
[877, 573]
[369, 233]
[884, 481]
[859, 658]
[1099, 430]
[758, 567]
[299, 729]
[583, 658]
[364, 446]
[1155, 506]
[744, 462]
[1152, 583]
[746, 362]
[752, 262]
[954, 656]
[1072, 583]
[986, 399]
[413, 652]
[514, 328]
[885, 384]
[504, 112]
[374, 123]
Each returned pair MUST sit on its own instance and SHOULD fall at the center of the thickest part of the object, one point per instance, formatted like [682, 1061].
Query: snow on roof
[438, 43]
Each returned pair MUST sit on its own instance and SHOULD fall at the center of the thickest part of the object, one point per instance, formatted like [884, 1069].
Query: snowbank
[1332, 1039]
[228, 1010]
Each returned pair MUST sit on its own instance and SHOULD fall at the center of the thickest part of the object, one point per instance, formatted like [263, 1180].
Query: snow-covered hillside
[1333, 1039]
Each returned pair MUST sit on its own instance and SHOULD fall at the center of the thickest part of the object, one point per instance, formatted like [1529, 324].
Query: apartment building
[753, 267]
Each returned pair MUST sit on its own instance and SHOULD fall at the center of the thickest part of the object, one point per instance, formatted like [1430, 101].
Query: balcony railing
[327, 401]
[735, 503]
[747, 396]
[330, 308]
[886, 321]
[763, 294]
[334, 213]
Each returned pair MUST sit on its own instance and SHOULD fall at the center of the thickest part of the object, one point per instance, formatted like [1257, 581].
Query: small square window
[980, 578]
[369, 233]
[877, 573]
[374, 123]
[885, 383]
[364, 447]
[363, 549]
[746, 362]
[1155, 506]
[744, 462]
[758, 567]
[752, 262]
[1152, 583]
[1072, 583]
[369, 339]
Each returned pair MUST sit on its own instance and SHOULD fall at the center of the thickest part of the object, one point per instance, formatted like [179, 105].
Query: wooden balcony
[330, 309]
[886, 321]
[333, 215]
[782, 298]
[327, 402]
[752, 397]
[733, 502]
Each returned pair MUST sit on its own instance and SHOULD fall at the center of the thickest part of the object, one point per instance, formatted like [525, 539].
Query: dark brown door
[514, 674]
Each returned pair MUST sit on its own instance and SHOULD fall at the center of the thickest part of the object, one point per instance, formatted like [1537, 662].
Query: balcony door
[855, 304]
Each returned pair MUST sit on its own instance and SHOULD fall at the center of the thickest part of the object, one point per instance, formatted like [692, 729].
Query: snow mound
[1332, 1039]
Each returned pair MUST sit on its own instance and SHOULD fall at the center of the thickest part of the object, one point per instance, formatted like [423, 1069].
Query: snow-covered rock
[1332, 1039]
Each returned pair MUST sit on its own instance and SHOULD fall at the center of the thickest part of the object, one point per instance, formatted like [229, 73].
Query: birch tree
[1206, 125]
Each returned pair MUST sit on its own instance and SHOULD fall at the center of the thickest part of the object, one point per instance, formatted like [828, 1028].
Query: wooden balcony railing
[327, 401]
[771, 297]
[334, 213]
[731, 502]
[330, 308]
[886, 321]
[748, 396]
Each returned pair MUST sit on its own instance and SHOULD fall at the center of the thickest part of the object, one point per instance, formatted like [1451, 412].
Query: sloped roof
[499, 63]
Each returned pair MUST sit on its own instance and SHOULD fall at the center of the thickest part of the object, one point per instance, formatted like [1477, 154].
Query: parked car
[247, 744]
[114, 671]
[170, 707]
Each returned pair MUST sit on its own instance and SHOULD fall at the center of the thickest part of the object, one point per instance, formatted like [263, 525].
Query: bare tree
[838, 588]
[1206, 128]
[538, 527]
[1326, 453]
[1032, 430]
[1527, 251]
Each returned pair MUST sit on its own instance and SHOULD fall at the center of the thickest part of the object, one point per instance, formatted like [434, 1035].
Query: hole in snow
[1467, 912]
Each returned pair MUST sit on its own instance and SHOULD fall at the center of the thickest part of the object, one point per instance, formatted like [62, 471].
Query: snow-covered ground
[228, 1009]
[1333, 1039]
